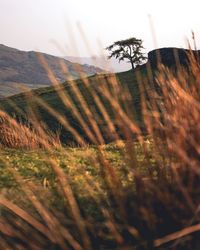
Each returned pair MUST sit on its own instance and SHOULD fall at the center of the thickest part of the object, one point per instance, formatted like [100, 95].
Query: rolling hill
[18, 105]
[18, 68]
[127, 88]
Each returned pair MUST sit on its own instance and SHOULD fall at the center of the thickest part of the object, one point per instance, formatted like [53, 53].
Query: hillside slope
[24, 68]
[126, 92]
[22, 102]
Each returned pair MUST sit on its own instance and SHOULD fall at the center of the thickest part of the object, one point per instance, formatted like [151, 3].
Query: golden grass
[15, 134]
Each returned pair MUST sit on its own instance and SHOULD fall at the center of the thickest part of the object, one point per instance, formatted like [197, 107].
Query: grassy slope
[9, 89]
[127, 80]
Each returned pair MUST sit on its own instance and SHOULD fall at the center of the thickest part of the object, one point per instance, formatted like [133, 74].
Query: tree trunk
[132, 65]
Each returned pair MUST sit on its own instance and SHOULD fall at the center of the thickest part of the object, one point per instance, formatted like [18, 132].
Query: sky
[56, 26]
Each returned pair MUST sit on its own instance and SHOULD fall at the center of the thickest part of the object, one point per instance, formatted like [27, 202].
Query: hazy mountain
[111, 65]
[19, 68]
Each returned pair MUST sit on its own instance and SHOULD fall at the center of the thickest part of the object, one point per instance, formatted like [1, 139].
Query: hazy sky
[33, 24]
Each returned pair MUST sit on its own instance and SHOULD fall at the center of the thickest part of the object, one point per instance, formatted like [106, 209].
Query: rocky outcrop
[170, 57]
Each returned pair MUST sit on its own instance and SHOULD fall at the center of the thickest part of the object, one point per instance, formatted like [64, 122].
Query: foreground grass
[83, 172]
[76, 162]
[82, 168]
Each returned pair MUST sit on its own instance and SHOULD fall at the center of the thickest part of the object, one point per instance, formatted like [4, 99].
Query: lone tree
[129, 49]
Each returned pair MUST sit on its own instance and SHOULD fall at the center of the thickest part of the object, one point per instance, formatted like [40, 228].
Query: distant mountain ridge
[111, 65]
[19, 67]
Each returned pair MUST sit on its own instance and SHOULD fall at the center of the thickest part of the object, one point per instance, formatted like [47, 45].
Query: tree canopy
[130, 49]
